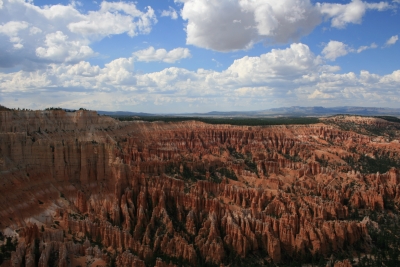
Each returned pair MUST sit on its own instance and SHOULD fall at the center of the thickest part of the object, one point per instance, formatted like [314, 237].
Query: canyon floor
[79, 189]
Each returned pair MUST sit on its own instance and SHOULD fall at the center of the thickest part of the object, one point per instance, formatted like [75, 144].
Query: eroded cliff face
[159, 194]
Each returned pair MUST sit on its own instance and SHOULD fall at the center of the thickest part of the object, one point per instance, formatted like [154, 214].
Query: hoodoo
[79, 189]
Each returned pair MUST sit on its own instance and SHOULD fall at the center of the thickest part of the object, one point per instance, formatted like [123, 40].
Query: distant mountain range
[273, 112]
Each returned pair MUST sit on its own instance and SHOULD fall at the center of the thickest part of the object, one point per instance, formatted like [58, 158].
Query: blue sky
[199, 55]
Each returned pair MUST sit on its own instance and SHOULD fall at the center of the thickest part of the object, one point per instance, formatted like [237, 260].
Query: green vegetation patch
[7, 248]
[235, 154]
[389, 131]
[389, 118]
[3, 108]
[227, 120]
[367, 164]
[230, 174]
[188, 174]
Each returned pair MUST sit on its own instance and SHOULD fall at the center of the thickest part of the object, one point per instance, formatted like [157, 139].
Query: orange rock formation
[159, 194]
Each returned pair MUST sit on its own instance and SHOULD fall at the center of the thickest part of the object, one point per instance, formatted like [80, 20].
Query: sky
[177, 56]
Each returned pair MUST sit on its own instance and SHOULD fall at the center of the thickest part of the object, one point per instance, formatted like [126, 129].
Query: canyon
[80, 189]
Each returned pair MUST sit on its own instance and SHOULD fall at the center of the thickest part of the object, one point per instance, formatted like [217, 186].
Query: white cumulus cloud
[151, 54]
[114, 18]
[353, 12]
[392, 40]
[83, 68]
[290, 76]
[335, 49]
[12, 30]
[60, 49]
[171, 12]
[293, 62]
[365, 47]
[237, 24]
[33, 36]
[118, 72]
[228, 25]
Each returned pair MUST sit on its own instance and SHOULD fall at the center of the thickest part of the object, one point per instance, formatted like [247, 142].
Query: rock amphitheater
[79, 189]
